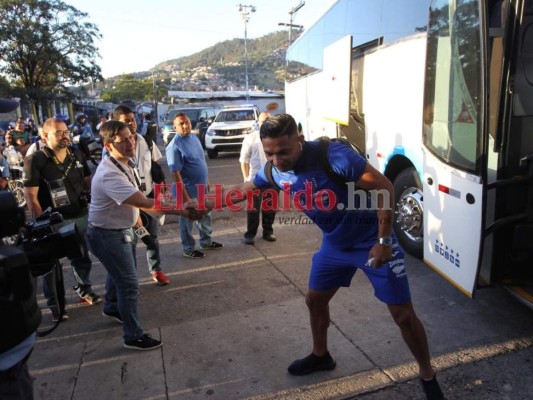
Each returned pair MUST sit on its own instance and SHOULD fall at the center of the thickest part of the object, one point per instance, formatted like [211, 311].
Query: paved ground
[232, 322]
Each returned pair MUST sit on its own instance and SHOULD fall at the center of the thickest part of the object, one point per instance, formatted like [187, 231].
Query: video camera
[28, 250]
[41, 243]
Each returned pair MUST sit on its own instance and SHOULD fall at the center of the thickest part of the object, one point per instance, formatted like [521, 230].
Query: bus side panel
[305, 100]
[393, 90]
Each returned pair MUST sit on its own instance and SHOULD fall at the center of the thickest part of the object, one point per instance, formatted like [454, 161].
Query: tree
[127, 87]
[45, 44]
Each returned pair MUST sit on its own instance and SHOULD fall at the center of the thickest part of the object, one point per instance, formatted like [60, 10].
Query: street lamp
[245, 15]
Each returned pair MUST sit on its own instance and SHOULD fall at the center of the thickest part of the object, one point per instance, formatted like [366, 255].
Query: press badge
[58, 193]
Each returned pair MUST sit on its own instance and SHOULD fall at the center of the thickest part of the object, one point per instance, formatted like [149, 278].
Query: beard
[63, 143]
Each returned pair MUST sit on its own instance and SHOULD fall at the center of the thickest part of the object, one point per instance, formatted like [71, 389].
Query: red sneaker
[160, 278]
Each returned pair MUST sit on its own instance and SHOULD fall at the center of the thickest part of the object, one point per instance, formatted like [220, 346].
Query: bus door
[512, 228]
[453, 142]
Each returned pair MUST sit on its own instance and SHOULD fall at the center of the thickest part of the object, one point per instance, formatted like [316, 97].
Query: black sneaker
[432, 389]
[312, 363]
[213, 246]
[145, 342]
[194, 254]
[249, 240]
[113, 315]
[270, 238]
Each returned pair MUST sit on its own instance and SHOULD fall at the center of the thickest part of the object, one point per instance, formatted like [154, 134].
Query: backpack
[158, 176]
[323, 146]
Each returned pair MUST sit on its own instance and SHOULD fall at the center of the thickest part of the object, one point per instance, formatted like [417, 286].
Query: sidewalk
[232, 322]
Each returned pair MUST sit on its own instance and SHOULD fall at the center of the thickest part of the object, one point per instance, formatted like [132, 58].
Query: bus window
[454, 55]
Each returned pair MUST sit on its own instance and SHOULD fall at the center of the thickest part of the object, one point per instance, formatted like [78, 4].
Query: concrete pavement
[232, 322]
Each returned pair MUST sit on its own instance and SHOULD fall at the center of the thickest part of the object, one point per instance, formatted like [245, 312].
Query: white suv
[229, 128]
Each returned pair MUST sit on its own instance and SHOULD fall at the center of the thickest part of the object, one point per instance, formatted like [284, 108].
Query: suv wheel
[212, 153]
[201, 136]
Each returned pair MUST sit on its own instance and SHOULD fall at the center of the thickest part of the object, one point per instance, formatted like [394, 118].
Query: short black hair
[277, 126]
[121, 110]
[110, 129]
[180, 114]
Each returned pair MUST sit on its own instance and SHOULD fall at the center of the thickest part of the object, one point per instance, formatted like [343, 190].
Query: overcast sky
[137, 35]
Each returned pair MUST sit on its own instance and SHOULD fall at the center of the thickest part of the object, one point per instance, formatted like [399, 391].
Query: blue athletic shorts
[333, 268]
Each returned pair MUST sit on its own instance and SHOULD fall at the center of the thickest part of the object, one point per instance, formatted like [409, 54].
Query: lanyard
[137, 182]
[60, 166]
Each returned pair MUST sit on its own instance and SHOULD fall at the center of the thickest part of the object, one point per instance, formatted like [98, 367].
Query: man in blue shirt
[357, 234]
[186, 161]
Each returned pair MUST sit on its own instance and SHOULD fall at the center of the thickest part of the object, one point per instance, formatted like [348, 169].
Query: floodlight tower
[245, 11]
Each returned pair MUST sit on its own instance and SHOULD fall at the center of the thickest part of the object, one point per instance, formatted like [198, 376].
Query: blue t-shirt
[348, 226]
[186, 155]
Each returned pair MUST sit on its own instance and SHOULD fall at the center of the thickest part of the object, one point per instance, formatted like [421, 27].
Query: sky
[137, 34]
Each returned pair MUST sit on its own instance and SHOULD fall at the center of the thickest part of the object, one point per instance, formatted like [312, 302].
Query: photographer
[19, 312]
[58, 176]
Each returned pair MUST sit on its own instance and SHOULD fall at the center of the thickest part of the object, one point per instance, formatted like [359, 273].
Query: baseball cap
[7, 105]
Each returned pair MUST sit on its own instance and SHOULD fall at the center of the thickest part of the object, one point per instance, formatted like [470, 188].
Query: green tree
[127, 87]
[46, 44]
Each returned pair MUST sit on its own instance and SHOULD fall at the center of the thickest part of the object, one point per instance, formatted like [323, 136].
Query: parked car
[201, 118]
[229, 129]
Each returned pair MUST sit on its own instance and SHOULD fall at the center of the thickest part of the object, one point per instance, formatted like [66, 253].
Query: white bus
[439, 96]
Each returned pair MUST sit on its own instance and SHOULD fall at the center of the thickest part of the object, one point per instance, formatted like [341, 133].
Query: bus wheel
[212, 153]
[409, 212]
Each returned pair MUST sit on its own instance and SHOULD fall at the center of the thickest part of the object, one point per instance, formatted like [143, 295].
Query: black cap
[8, 105]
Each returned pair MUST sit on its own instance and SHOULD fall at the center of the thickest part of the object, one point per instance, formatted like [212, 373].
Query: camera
[142, 233]
[40, 242]
[28, 250]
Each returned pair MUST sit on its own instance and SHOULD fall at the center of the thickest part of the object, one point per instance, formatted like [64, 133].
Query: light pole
[154, 92]
[245, 15]
[293, 11]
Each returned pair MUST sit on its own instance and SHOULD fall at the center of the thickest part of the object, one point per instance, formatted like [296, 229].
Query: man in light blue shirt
[186, 161]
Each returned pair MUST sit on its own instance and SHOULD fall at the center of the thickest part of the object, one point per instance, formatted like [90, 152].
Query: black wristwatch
[385, 241]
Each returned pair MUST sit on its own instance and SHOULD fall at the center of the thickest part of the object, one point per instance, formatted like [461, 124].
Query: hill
[222, 66]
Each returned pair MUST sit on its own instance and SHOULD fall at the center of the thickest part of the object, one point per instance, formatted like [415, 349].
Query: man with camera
[19, 312]
[58, 177]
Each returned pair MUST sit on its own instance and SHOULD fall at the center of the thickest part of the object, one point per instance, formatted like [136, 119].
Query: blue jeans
[204, 228]
[122, 285]
[153, 258]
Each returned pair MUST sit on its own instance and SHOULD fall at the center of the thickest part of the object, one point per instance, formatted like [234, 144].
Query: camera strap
[132, 165]
[58, 294]
[57, 188]
[50, 153]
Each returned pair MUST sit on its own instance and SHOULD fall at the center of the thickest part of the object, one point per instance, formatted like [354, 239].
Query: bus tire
[212, 153]
[409, 212]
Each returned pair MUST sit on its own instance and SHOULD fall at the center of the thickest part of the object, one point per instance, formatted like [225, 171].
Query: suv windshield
[235, 115]
[192, 114]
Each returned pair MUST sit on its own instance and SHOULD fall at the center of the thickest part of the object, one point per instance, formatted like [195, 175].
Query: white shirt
[144, 161]
[109, 188]
[252, 153]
